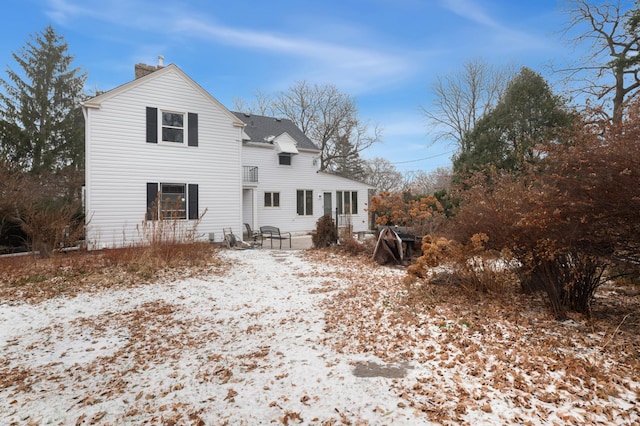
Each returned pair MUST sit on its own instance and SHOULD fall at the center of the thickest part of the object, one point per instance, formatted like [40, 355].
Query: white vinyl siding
[120, 161]
[302, 174]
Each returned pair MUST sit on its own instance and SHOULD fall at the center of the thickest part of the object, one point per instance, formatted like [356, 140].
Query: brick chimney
[143, 69]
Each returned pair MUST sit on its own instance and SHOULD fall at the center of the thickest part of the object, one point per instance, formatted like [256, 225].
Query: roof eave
[96, 102]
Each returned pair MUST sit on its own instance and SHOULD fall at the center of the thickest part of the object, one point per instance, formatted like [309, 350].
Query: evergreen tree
[347, 161]
[41, 128]
[528, 114]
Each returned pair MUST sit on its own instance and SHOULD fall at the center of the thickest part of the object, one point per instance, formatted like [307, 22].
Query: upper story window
[172, 127]
[284, 159]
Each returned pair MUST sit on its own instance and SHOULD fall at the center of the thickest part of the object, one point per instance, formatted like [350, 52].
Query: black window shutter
[152, 196]
[309, 203]
[152, 125]
[354, 202]
[193, 129]
[193, 201]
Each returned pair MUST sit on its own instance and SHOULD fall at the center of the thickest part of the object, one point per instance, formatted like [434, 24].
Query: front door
[327, 204]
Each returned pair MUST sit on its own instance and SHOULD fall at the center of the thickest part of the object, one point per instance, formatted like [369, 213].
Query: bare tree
[382, 174]
[460, 99]
[419, 182]
[328, 117]
[609, 72]
[261, 105]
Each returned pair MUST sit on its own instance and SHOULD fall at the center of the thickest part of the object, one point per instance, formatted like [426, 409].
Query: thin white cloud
[354, 68]
[279, 43]
[470, 9]
[60, 11]
[354, 63]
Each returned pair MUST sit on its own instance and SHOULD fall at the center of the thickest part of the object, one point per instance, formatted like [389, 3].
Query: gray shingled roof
[259, 128]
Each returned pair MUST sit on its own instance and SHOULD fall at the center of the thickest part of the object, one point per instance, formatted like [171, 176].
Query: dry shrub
[570, 280]
[325, 234]
[567, 218]
[421, 215]
[165, 242]
[46, 207]
[147, 261]
[28, 278]
[167, 248]
[471, 266]
[354, 247]
[166, 228]
[512, 211]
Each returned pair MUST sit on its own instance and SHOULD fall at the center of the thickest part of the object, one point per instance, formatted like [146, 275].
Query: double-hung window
[172, 201]
[347, 202]
[304, 202]
[172, 127]
[272, 199]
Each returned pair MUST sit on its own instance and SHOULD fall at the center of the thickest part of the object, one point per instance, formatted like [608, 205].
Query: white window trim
[340, 202]
[272, 206]
[304, 201]
[185, 125]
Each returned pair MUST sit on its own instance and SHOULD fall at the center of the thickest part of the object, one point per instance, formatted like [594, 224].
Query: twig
[614, 332]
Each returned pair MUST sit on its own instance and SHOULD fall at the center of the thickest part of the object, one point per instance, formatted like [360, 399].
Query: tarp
[388, 248]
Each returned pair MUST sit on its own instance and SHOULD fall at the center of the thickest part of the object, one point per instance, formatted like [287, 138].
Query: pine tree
[506, 137]
[347, 161]
[39, 126]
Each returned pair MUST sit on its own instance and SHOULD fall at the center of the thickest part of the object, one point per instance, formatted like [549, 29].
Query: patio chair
[254, 236]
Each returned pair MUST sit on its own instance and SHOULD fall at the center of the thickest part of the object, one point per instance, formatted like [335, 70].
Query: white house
[164, 135]
[282, 185]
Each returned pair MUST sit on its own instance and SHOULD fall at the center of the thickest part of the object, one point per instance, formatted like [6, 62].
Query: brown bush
[422, 215]
[354, 247]
[567, 218]
[472, 266]
[46, 207]
[325, 234]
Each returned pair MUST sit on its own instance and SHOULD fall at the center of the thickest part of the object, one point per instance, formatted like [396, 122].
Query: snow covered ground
[278, 337]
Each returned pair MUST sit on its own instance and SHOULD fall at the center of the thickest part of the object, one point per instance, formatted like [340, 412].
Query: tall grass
[165, 244]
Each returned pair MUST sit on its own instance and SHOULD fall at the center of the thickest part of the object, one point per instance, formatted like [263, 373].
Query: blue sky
[384, 53]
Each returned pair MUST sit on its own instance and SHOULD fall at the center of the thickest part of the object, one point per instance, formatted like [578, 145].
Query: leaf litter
[279, 337]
